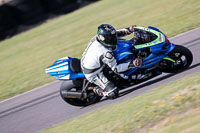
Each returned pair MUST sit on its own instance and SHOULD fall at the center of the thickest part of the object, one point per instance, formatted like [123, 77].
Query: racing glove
[136, 63]
[126, 31]
[130, 30]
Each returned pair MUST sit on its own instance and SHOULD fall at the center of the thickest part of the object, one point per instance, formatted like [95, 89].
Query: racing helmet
[107, 36]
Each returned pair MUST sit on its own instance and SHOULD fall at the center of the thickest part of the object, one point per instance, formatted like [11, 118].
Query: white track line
[30, 91]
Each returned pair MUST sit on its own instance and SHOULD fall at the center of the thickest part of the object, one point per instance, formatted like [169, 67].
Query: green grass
[188, 122]
[162, 107]
[24, 57]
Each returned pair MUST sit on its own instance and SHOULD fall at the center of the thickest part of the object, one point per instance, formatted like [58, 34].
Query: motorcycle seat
[75, 65]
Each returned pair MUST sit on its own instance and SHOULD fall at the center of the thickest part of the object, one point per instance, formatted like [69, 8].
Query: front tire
[69, 86]
[183, 59]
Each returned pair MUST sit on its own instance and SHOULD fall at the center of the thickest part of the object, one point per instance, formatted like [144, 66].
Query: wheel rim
[180, 59]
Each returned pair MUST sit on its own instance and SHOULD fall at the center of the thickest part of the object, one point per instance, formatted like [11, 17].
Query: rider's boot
[111, 91]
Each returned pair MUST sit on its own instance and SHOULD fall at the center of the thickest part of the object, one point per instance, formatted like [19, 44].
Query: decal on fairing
[125, 53]
[170, 59]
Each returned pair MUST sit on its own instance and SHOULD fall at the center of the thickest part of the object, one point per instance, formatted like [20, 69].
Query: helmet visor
[111, 40]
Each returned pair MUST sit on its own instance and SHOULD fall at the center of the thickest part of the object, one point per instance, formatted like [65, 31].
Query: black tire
[183, 57]
[69, 85]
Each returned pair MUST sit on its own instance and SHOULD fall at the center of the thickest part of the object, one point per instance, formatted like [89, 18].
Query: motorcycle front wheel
[182, 58]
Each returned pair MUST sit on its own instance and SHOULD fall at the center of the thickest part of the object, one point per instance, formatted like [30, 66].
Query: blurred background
[20, 15]
[61, 30]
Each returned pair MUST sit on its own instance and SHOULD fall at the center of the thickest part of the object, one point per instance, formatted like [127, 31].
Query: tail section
[61, 70]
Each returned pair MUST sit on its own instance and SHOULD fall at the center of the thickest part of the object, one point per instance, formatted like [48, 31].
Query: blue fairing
[61, 70]
[125, 52]
[153, 28]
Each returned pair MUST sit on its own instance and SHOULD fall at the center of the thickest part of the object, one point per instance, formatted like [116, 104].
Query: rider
[99, 52]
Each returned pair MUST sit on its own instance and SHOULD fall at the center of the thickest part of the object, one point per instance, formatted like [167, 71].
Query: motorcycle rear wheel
[183, 59]
[68, 86]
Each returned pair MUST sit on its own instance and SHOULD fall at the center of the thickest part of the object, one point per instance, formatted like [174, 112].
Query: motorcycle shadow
[150, 82]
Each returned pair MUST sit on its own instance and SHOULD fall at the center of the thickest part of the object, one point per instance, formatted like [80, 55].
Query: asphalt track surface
[42, 107]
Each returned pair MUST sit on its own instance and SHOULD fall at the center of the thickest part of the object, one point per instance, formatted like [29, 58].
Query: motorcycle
[159, 55]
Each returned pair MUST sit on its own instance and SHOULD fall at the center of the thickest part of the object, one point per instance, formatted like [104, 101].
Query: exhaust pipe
[71, 94]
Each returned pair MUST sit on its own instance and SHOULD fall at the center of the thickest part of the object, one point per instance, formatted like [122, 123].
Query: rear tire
[183, 59]
[68, 86]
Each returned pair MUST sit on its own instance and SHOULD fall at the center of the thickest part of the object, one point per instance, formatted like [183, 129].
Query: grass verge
[144, 113]
[24, 57]
[187, 122]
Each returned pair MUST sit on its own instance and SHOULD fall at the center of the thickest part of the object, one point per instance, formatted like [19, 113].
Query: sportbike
[159, 55]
